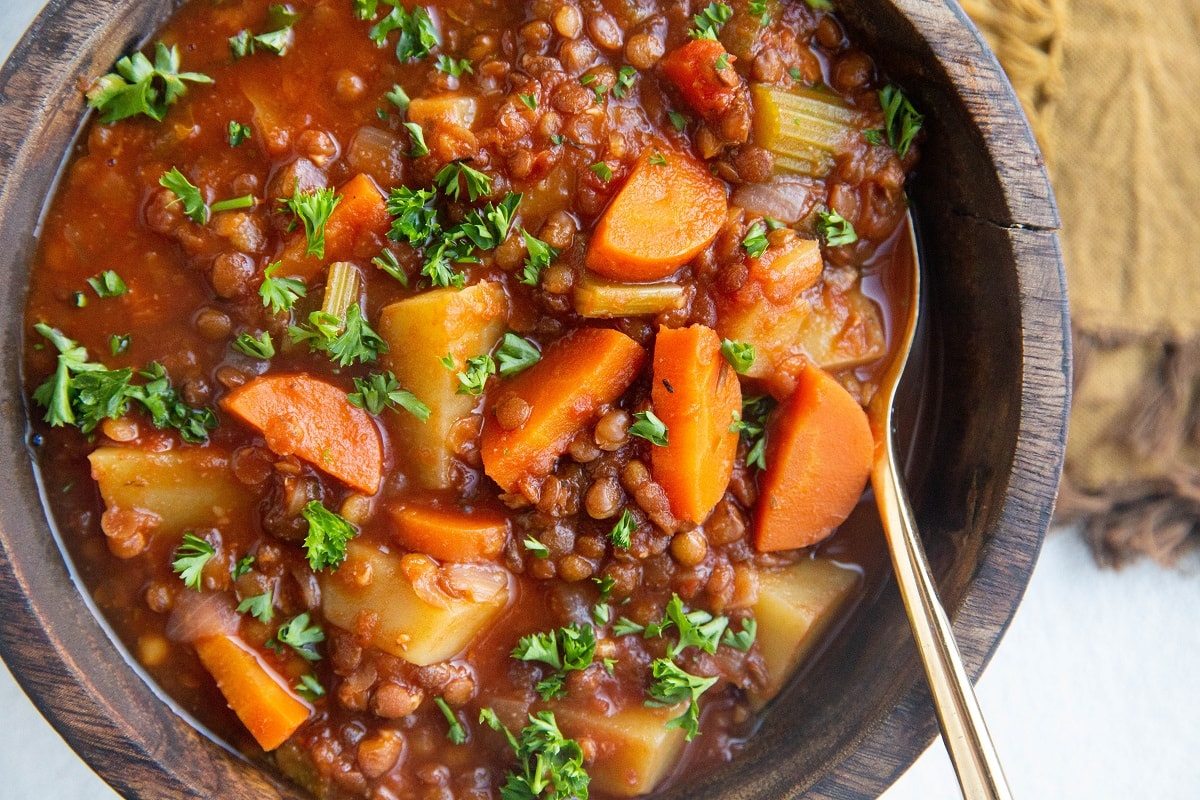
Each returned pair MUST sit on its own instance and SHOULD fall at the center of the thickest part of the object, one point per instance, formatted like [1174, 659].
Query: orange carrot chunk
[536, 413]
[698, 72]
[256, 693]
[696, 394]
[356, 228]
[669, 210]
[451, 534]
[819, 451]
[310, 418]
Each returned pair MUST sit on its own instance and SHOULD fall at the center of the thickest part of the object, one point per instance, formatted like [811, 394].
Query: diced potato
[446, 109]
[184, 488]
[843, 332]
[635, 750]
[600, 298]
[420, 331]
[796, 605]
[425, 613]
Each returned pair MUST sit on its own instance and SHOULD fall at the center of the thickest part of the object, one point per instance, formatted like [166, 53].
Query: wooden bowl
[990, 422]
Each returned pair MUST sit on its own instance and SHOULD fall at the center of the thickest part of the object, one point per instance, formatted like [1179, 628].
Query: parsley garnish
[549, 765]
[758, 8]
[415, 219]
[696, 628]
[447, 179]
[755, 243]
[621, 532]
[516, 354]
[538, 549]
[386, 261]
[602, 170]
[752, 426]
[624, 82]
[568, 649]
[453, 67]
[417, 33]
[835, 229]
[261, 606]
[300, 634]
[708, 23]
[310, 688]
[740, 355]
[343, 341]
[243, 566]
[658, 159]
[722, 62]
[255, 347]
[139, 87]
[873, 136]
[900, 120]
[417, 135]
[456, 733]
[649, 427]
[744, 639]
[108, 284]
[673, 685]
[280, 294]
[190, 557]
[328, 534]
[119, 343]
[187, 193]
[381, 390]
[820, 5]
[795, 74]
[678, 121]
[540, 256]
[238, 133]
[598, 89]
[474, 378]
[313, 210]
[167, 410]
[398, 97]
[278, 41]
[529, 100]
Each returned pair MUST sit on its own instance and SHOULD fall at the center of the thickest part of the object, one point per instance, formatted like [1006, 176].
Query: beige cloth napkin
[1112, 89]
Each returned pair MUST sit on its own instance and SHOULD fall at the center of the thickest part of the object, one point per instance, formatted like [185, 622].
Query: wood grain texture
[992, 410]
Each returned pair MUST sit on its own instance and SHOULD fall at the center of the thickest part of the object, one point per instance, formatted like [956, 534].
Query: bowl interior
[988, 416]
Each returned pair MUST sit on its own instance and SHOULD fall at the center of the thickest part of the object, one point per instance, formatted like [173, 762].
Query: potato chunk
[184, 488]
[420, 331]
[635, 750]
[795, 607]
[425, 613]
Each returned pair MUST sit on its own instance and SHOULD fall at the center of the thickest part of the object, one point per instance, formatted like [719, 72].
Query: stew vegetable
[458, 400]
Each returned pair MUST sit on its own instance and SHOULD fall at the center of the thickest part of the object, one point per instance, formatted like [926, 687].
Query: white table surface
[1094, 692]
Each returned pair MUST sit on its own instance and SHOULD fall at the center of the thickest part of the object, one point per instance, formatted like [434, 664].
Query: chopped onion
[788, 199]
[197, 615]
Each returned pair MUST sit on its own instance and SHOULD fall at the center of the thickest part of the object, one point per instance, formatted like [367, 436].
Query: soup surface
[461, 400]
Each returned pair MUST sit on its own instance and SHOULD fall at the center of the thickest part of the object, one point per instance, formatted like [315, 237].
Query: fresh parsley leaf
[448, 180]
[108, 284]
[873, 136]
[190, 557]
[901, 122]
[835, 229]
[243, 566]
[417, 32]
[310, 688]
[658, 159]
[474, 377]
[820, 5]
[119, 343]
[752, 426]
[313, 210]
[256, 347]
[538, 549]
[740, 355]
[386, 261]
[795, 74]
[455, 68]
[755, 243]
[381, 390]
[549, 765]
[530, 101]
[302, 635]
[624, 82]
[625, 626]
[672, 685]
[238, 133]
[245, 43]
[261, 606]
[696, 628]
[327, 536]
[678, 121]
[623, 530]
[758, 9]
[708, 23]
[138, 87]
[649, 427]
[245, 201]
[398, 97]
[456, 733]
[592, 81]
[744, 639]
[415, 219]
[602, 170]
[722, 62]
[417, 135]
[540, 256]
[488, 227]
[344, 341]
[167, 409]
[280, 294]
[440, 259]
[187, 193]
[516, 354]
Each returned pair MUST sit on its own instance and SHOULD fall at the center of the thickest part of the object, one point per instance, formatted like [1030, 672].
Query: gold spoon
[963, 730]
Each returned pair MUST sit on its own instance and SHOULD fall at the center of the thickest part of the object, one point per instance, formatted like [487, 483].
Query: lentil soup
[463, 400]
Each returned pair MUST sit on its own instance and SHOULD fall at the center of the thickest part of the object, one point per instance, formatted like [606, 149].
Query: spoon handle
[963, 729]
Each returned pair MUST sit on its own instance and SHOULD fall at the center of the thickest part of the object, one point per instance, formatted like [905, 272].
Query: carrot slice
[663, 216]
[562, 393]
[356, 227]
[696, 395]
[256, 693]
[451, 534]
[310, 418]
[819, 451]
[696, 71]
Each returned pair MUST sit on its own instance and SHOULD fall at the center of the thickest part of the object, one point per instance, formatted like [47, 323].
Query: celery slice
[804, 128]
[341, 289]
[598, 298]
